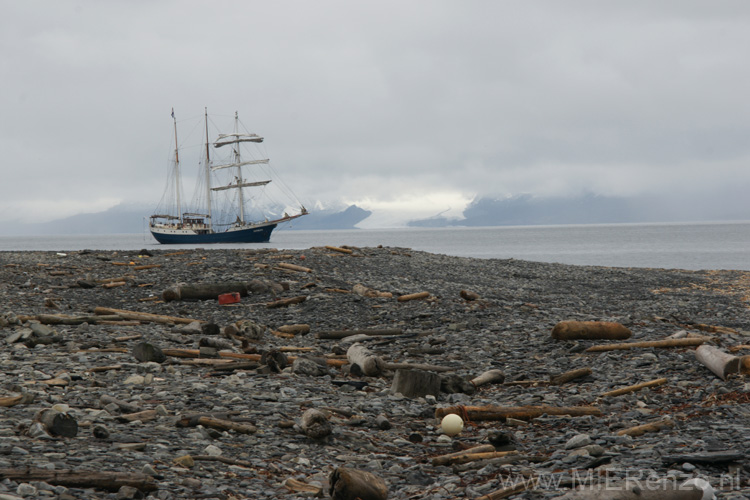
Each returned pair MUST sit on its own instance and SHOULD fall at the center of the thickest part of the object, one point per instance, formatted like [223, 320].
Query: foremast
[177, 184]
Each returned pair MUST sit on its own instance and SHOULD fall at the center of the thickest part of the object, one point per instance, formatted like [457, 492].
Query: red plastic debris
[229, 298]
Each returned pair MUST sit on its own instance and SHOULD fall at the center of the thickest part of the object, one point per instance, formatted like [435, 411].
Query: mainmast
[207, 170]
[177, 168]
[238, 160]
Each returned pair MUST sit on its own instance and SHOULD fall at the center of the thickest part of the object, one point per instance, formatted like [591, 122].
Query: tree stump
[416, 383]
[315, 424]
[57, 423]
[353, 484]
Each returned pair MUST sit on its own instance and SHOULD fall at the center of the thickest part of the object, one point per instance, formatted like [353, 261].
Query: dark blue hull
[260, 234]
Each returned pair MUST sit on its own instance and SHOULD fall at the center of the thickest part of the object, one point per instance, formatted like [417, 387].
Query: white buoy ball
[452, 424]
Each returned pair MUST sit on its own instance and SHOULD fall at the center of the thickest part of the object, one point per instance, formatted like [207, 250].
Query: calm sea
[718, 245]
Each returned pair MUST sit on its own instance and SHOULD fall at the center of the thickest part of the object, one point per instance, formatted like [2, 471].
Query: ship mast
[177, 168]
[208, 176]
[238, 161]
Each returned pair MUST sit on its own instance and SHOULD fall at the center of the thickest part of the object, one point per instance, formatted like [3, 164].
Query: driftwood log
[217, 423]
[590, 330]
[369, 364]
[639, 430]
[721, 363]
[294, 267]
[448, 458]
[492, 412]
[340, 334]
[566, 377]
[21, 399]
[488, 377]
[207, 291]
[339, 249]
[637, 490]
[140, 316]
[415, 383]
[111, 481]
[636, 387]
[687, 342]
[286, 302]
[413, 296]
[353, 484]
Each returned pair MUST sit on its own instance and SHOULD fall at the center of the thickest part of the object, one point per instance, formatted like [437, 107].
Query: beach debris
[634, 388]
[686, 342]
[352, 484]
[590, 330]
[415, 383]
[721, 363]
[492, 412]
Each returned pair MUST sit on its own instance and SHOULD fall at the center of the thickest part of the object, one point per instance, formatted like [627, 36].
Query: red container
[229, 298]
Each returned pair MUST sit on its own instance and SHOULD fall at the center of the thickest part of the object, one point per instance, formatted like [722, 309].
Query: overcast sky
[387, 104]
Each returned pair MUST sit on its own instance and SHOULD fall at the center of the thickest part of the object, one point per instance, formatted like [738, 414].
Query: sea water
[716, 245]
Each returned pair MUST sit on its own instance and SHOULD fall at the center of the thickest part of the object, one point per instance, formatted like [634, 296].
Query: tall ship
[219, 211]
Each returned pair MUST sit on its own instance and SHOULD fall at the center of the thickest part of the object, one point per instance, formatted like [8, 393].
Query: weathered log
[413, 296]
[493, 412]
[224, 460]
[298, 329]
[571, 375]
[339, 249]
[721, 363]
[21, 399]
[468, 295]
[353, 484]
[590, 330]
[111, 481]
[204, 291]
[488, 377]
[370, 364]
[57, 423]
[314, 423]
[447, 459]
[299, 487]
[340, 334]
[294, 267]
[143, 416]
[509, 490]
[62, 319]
[636, 387]
[688, 342]
[140, 316]
[217, 423]
[415, 383]
[636, 490]
[705, 457]
[639, 430]
[286, 302]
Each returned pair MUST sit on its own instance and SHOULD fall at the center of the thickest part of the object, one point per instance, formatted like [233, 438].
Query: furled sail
[241, 164]
[235, 138]
[237, 185]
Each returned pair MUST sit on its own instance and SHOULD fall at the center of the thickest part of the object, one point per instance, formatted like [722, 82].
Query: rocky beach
[325, 372]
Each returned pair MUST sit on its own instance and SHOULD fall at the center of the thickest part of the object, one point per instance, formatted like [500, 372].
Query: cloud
[378, 101]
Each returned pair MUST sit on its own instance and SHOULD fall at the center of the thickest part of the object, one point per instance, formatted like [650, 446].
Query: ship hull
[253, 234]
